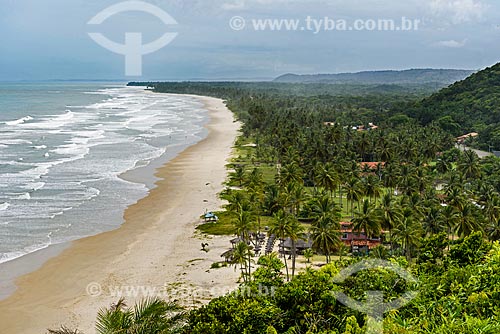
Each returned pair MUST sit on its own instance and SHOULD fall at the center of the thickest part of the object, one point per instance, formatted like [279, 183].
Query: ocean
[66, 150]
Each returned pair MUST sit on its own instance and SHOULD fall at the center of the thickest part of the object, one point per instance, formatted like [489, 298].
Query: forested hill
[466, 106]
[438, 77]
[470, 105]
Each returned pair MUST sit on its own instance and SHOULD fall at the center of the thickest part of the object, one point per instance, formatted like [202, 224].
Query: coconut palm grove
[336, 174]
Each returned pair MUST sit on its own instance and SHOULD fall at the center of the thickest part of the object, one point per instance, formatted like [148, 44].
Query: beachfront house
[357, 241]
[461, 140]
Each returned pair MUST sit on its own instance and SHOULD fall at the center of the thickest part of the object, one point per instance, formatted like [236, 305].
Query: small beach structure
[228, 255]
[236, 241]
[300, 245]
[210, 217]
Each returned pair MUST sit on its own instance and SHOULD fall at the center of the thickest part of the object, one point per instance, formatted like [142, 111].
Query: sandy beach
[157, 251]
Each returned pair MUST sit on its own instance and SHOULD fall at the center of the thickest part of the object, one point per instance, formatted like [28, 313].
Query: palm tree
[421, 180]
[366, 221]
[353, 192]
[433, 221]
[467, 221]
[492, 208]
[255, 186]
[309, 254]
[290, 173]
[390, 176]
[469, 165]
[494, 230]
[442, 166]
[340, 168]
[384, 151]
[408, 232]
[239, 174]
[389, 213]
[280, 227]
[327, 177]
[242, 256]
[363, 145]
[414, 203]
[431, 149]
[236, 200]
[254, 179]
[244, 225]
[152, 316]
[271, 204]
[295, 231]
[455, 197]
[286, 199]
[371, 187]
[450, 218]
[292, 196]
[324, 206]
[406, 179]
[325, 235]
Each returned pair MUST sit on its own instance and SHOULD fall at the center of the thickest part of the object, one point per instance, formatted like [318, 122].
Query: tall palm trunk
[366, 239]
[340, 194]
[286, 262]
[249, 269]
[408, 251]
[294, 255]
[243, 272]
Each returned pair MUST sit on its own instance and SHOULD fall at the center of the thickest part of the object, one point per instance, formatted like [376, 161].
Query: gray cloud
[452, 43]
[458, 11]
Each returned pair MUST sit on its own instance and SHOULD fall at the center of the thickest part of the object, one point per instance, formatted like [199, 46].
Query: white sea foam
[51, 121]
[19, 121]
[24, 196]
[34, 186]
[88, 147]
[15, 142]
[4, 206]
[5, 257]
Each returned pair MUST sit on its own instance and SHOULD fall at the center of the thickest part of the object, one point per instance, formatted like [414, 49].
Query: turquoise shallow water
[63, 148]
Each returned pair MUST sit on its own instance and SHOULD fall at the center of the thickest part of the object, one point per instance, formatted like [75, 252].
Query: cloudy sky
[44, 40]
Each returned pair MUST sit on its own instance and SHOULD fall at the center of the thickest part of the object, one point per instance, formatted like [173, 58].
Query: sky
[49, 39]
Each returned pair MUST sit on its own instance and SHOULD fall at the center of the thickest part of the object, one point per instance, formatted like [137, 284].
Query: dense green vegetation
[344, 104]
[439, 208]
[466, 106]
[438, 77]
[458, 293]
[470, 105]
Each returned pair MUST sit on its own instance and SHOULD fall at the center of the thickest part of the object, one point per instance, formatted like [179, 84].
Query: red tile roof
[371, 165]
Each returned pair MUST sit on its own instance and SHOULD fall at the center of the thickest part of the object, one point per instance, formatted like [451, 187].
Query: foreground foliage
[458, 292]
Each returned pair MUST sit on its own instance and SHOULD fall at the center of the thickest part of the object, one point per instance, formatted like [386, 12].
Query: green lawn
[223, 227]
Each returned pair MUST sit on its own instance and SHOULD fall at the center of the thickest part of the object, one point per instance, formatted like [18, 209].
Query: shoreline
[143, 175]
[156, 247]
